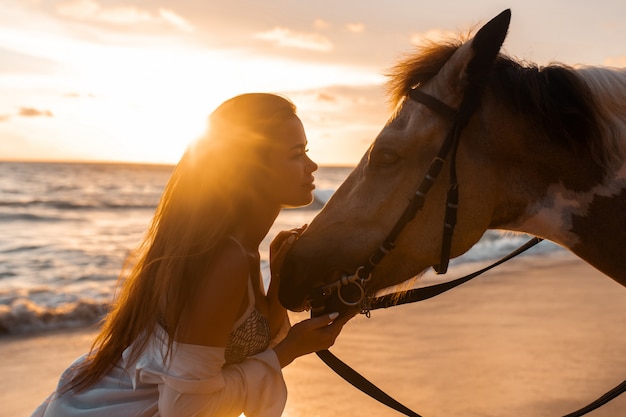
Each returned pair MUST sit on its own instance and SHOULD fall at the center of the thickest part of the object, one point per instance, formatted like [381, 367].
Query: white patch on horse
[551, 217]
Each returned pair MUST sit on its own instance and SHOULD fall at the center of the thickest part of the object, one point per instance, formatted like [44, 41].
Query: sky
[134, 80]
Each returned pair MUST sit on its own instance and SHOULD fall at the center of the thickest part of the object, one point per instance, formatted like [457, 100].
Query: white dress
[195, 382]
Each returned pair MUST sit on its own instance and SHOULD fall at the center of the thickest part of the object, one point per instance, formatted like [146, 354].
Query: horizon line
[120, 162]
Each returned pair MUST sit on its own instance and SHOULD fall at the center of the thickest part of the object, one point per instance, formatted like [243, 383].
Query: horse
[538, 150]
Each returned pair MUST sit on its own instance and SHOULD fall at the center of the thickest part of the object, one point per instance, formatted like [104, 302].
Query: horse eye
[383, 157]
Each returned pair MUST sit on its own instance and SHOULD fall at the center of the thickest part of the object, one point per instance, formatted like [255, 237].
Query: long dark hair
[200, 205]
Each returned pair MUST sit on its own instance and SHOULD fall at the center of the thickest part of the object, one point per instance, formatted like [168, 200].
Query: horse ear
[465, 73]
[479, 58]
[486, 45]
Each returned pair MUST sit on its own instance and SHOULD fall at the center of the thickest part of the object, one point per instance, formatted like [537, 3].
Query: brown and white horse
[544, 152]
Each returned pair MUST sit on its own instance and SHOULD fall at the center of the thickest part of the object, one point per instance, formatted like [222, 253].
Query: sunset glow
[94, 80]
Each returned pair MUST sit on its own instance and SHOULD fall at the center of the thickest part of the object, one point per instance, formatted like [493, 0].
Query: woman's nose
[312, 165]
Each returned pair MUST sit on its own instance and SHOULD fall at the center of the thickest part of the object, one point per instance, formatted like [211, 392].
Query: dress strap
[251, 300]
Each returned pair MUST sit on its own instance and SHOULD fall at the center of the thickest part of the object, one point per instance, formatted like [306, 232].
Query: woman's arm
[195, 381]
[197, 384]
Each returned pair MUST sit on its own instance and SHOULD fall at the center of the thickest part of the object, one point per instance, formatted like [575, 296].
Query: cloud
[176, 20]
[91, 10]
[433, 35]
[78, 95]
[355, 27]
[321, 24]
[343, 105]
[27, 112]
[14, 61]
[341, 120]
[32, 112]
[283, 37]
[326, 97]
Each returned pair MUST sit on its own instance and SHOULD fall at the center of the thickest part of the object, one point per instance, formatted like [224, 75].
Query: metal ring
[352, 303]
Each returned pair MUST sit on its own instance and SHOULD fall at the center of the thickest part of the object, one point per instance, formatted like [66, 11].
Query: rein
[363, 274]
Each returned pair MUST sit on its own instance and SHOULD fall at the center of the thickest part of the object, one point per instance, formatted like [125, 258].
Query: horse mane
[556, 98]
[419, 68]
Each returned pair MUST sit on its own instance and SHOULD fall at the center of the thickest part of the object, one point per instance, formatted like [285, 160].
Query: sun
[141, 100]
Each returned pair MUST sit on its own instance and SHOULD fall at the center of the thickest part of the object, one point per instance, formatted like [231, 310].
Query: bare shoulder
[229, 272]
[212, 313]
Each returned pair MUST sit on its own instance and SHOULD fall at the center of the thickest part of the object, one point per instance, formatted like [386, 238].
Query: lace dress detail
[252, 334]
[251, 337]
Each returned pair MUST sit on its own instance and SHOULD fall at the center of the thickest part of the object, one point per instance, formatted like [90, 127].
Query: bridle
[363, 274]
[448, 149]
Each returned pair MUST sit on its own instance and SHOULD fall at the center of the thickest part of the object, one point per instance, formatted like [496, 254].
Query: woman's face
[291, 170]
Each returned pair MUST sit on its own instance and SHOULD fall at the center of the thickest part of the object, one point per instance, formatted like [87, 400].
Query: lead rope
[612, 394]
[360, 382]
[419, 294]
[363, 384]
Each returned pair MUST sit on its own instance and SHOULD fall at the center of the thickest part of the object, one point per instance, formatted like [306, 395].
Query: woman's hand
[310, 336]
[279, 248]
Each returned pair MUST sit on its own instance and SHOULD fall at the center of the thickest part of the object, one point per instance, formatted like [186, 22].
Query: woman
[192, 332]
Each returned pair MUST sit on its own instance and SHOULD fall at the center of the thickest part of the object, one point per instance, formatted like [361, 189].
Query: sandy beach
[540, 336]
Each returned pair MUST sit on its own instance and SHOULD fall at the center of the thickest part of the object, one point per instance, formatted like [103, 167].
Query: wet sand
[540, 336]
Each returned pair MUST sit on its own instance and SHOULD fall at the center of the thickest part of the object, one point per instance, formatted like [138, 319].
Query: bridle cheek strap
[449, 146]
[416, 203]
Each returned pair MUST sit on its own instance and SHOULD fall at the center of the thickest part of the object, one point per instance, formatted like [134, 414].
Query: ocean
[66, 229]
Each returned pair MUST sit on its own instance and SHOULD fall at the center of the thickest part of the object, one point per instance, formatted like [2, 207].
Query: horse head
[365, 207]
[513, 135]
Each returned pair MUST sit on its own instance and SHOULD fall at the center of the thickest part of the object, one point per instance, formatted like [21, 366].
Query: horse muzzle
[347, 293]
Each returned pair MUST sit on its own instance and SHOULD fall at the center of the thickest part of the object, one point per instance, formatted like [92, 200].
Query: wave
[20, 249]
[8, 217]
[54, 277]
[495, 244]
[51, 307]
[68, 205]
[320, 197]
[25, 316]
